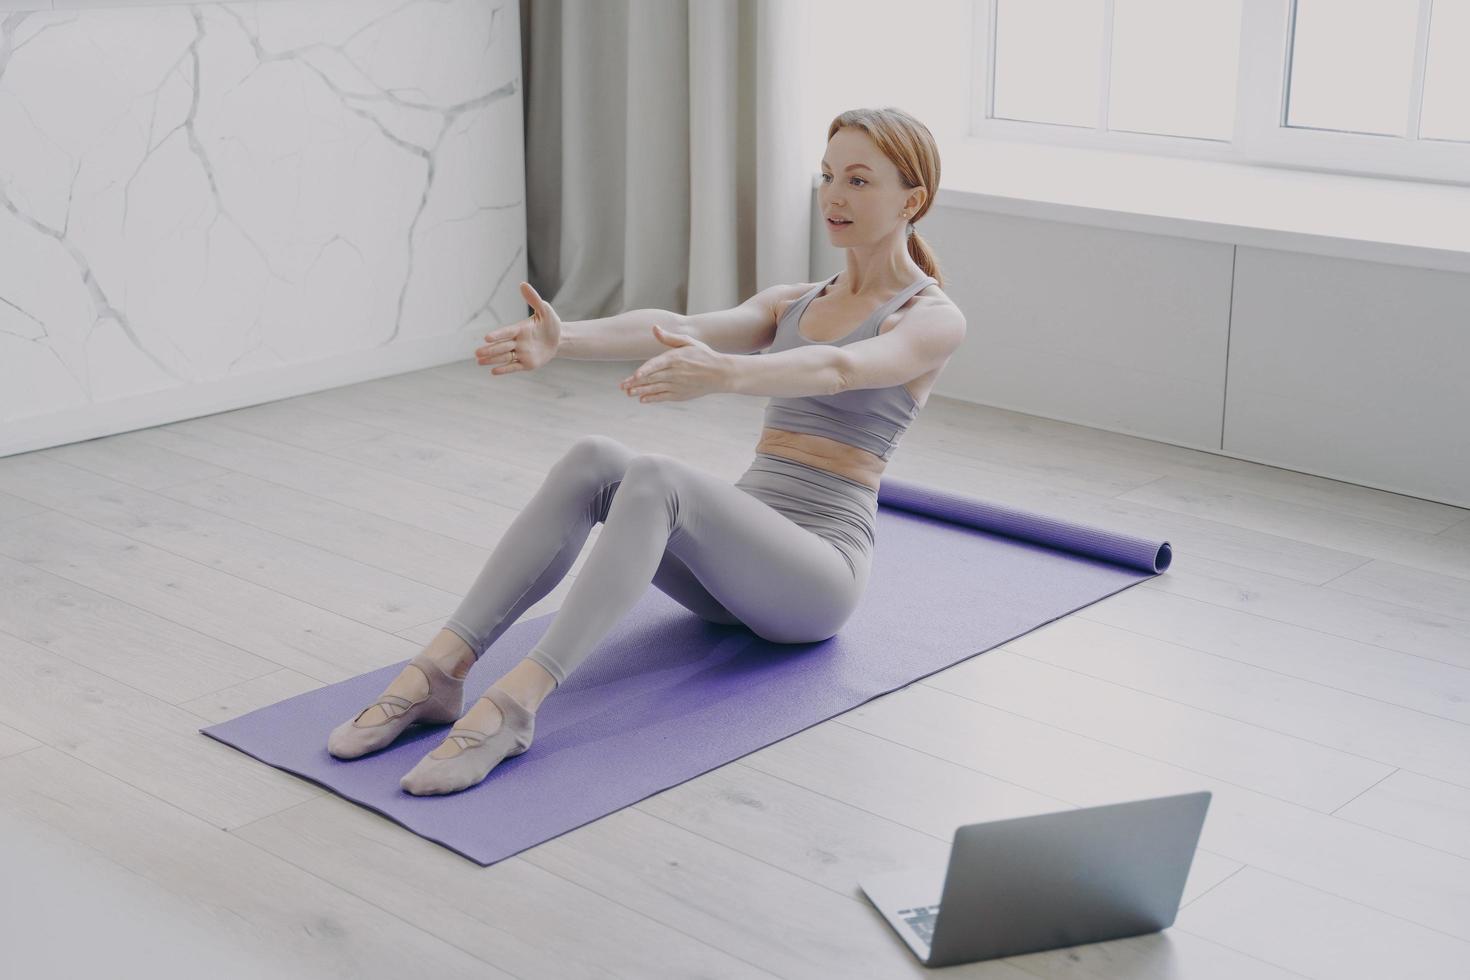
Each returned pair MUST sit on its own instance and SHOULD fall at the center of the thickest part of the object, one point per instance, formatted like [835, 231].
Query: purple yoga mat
[667, 696]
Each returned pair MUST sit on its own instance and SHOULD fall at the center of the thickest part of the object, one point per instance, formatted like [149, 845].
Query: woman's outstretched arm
[815, 369]
[625, 337]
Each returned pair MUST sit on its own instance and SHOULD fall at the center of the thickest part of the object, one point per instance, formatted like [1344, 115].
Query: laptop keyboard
[921, 920]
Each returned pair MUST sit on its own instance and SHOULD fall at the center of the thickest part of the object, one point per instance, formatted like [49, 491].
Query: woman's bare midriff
[830, 317]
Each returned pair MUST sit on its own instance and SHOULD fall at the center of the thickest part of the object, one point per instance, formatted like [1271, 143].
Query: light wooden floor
[1306, 658]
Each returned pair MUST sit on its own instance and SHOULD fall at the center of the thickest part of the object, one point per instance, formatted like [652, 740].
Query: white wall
[215, 205]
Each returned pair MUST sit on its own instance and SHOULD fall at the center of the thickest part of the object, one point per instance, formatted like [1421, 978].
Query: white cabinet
[1354, 370]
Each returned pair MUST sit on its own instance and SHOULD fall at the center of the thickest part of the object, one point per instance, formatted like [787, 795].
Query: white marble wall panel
[198, 201]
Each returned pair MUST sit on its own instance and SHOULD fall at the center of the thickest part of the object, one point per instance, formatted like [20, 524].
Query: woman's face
[861, 185]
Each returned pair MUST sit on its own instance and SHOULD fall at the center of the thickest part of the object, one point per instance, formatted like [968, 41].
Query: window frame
[1260, 137]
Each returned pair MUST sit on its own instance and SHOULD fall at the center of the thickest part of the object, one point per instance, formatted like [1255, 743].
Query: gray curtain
[663, 167]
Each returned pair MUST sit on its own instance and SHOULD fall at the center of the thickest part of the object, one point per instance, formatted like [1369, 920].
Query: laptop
[1046, 881]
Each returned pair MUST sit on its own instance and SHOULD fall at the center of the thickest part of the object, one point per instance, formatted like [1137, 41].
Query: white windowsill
[1377, 219]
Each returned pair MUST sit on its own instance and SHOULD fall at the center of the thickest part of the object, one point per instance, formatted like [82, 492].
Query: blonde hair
[911, 147]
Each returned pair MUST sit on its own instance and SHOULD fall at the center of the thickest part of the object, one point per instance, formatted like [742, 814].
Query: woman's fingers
[500, 336]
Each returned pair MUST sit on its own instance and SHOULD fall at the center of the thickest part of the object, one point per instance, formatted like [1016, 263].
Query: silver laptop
[1046, 881]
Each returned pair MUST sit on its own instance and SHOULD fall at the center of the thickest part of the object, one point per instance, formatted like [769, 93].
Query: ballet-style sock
[479, 752]
[442, 705]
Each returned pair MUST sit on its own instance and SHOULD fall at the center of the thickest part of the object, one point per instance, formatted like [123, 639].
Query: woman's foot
[452, 654]
[497, 727]
[484, 716]
[429, 689]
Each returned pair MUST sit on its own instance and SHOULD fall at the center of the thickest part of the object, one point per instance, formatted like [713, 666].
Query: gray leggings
[784, 551]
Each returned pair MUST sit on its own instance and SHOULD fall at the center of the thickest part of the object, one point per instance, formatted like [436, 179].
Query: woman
[786, 549]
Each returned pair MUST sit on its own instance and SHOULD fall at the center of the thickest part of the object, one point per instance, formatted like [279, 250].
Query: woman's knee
[651, 471]
[598, 457]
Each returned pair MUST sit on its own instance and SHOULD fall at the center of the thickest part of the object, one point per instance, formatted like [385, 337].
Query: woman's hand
[692, 368]
[526, 345]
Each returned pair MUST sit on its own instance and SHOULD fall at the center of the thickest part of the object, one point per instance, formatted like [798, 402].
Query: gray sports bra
[869, 418]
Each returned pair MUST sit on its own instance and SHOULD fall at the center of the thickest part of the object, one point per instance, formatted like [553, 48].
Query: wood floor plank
[169, 660]
[517, 432]
[13, 741]
[526, 920]
[1364, 728]
[279, 629]
[1320, 935]
[1335, 662]
[1244, 754]
[238, 699]
[138, 740]
[1404, 585]
[14, 508]
[423, 556]
[366, 593]
[283, 422]
[53, 884]
[281, 911]
[418, 504]
[1417, 808]
[748, 908]
[131, 461]
[1385, 624]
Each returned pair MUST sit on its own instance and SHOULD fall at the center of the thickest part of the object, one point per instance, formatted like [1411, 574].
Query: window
[1376, 87]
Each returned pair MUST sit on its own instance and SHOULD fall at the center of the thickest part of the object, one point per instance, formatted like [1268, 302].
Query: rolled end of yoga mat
[1122, 549]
